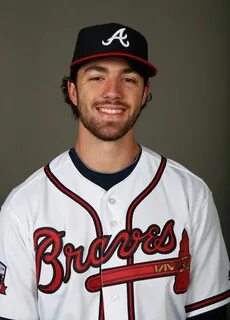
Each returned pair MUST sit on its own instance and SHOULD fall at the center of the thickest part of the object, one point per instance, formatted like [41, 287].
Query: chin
[110, 136]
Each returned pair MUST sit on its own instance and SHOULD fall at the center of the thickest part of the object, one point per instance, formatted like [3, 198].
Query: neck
[106, 156]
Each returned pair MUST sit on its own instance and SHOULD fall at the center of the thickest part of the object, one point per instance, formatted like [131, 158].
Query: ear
[145, 93]
[72, 90]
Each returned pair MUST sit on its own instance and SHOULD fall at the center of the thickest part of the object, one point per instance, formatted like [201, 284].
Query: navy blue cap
[112, 39]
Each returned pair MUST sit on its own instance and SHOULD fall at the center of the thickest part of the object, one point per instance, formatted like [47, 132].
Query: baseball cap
[112, 39]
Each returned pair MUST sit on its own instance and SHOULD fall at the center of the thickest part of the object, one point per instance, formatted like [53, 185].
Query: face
[109, 96]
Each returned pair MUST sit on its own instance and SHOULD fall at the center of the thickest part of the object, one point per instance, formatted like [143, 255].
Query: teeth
[111, 111]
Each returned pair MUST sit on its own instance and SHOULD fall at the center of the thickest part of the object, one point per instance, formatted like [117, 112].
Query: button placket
[114, 222]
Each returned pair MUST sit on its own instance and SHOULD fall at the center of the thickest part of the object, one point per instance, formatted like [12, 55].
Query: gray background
[187, 119]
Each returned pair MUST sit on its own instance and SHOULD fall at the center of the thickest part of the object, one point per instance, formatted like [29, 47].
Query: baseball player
[109, 229]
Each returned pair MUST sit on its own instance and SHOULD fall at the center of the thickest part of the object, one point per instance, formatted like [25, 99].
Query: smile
[111, 111]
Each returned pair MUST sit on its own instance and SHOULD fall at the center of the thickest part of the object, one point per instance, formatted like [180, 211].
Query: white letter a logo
[119, 36]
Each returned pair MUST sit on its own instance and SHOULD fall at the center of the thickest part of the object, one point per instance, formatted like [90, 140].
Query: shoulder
[179, 179]
[27, 193]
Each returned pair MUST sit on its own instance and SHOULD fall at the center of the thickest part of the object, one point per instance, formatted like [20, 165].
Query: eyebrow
[105, 70]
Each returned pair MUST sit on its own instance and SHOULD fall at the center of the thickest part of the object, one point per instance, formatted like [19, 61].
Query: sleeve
[209, 285]
[216, 314]
[18, 293]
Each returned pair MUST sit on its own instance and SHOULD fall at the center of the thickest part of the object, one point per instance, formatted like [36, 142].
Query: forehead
[109, 64]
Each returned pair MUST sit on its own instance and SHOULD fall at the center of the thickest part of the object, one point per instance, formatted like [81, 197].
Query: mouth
[111, 110]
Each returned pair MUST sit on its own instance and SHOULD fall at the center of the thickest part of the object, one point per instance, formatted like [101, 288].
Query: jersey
[149, 248]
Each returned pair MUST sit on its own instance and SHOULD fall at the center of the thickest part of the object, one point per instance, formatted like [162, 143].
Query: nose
[112, 89]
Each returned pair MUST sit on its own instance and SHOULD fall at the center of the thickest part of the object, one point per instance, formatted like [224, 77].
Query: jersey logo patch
[49, 249]
[2, 278]
[118, 35]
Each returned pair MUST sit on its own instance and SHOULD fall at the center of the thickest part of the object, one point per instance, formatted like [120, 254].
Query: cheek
[84, 98]
[137, 98]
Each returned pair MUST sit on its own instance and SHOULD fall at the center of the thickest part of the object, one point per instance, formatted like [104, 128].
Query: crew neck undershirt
[104, 180]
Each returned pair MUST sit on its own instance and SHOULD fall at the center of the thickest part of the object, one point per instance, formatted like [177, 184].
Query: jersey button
[114, 297]
[114, 223]
[112, 200]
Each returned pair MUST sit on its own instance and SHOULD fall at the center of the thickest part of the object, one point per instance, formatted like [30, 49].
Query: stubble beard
[107, 130]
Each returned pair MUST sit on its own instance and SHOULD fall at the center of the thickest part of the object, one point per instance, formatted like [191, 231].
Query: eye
[96, 78]
[130, 80]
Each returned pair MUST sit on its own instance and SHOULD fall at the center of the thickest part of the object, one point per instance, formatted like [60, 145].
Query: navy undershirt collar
[104, 180]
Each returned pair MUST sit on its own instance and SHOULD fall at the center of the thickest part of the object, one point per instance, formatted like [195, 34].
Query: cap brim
[148, 68]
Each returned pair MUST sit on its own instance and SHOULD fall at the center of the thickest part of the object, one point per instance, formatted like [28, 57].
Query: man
[110, 229]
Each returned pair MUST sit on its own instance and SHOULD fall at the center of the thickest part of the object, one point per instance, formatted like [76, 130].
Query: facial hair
[107, 130]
